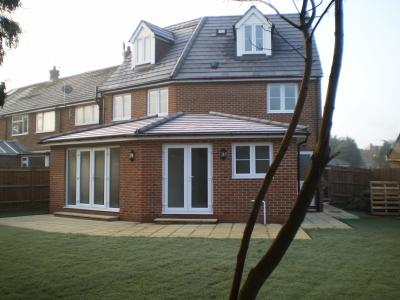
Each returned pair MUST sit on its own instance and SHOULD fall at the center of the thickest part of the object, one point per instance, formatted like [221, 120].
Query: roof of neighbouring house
[11, 148]
[178, 125]
[50, 94]
[197, 47]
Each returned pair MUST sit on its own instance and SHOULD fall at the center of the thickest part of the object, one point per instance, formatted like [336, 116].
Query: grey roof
[11, 148]
[194, 50]
[160, 32]
[125, 76]
[50, 93]
[178, 125]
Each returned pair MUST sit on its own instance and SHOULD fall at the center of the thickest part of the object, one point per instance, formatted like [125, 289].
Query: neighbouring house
[393, 156]
[33, 112]
[192, 119]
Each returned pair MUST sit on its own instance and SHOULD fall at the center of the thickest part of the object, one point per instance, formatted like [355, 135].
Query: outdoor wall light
[223, 154]
[132, 155]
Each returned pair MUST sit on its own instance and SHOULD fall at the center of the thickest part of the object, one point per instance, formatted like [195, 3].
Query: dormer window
[253, 33]
[253, 38]
[145, 39]
[143, 50]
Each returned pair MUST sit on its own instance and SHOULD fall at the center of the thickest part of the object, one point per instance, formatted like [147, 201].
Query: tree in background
[347, 150]
[9, 34]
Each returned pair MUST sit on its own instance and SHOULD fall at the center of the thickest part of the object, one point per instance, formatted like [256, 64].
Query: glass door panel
[84, 177]
[176, 178]
[114, 177]
[99, 164]
[199, 178]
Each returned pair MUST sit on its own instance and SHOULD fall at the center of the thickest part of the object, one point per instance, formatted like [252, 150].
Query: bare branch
[321, 17]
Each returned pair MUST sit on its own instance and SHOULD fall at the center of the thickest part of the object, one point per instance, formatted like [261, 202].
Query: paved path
[51, 223]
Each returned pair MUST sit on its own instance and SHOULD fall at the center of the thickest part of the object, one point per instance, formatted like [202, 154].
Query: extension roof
[11, 148]
[179, 125]
[50, 94]
[197, 47]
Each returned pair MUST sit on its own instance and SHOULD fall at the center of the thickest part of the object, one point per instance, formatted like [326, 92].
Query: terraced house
[191, 120]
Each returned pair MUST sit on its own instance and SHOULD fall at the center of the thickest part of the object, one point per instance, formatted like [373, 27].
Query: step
[85, 216]
[184, 221]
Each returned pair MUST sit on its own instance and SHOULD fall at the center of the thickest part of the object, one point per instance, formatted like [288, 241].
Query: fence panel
[24, 189]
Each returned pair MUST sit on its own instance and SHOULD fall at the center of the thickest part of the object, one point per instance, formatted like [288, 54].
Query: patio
[51, 223]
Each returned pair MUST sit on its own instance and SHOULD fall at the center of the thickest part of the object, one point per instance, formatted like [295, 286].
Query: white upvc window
[122, 107]
[88, 114]
[157, 101]
[253, 39]
[251, 160]
[281, 97]
[45, 121]
[143, 50]
[19, 125]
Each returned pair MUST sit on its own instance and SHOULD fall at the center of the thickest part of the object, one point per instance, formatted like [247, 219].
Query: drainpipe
[298, 162]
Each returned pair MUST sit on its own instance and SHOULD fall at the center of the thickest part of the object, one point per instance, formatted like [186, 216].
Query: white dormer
[144, 41]
[143, 45]
[253, 33]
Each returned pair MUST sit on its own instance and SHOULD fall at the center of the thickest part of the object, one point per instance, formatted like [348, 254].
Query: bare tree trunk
[241, 257]
[260, 273]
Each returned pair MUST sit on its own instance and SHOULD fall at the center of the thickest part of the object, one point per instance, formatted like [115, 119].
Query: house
[192, 119]
[33, 112]
[393, 155]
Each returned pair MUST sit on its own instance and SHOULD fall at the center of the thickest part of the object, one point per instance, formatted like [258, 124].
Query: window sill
[83, 124]
[37, 132]
[280, 112]
[248, 176]
[121, 119]
[19, 134]
[92, 208]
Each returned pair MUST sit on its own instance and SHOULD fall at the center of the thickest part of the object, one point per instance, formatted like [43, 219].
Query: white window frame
[282, 86]
[20, 121]
[91, 205]
[253, 39]
[145, 51]
[158, 101]
[95, 118]
[252, 174]
[42, 113]
[125, 115]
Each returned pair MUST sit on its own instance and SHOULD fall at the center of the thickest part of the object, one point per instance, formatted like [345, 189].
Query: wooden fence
[345, 183]
[24, 189]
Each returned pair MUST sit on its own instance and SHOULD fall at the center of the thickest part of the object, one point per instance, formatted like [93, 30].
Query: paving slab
[49, 223]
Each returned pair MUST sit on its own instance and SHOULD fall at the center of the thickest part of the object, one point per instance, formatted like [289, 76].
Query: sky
[79, 36]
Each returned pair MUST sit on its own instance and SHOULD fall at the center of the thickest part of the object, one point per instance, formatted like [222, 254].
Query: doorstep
[85, 216]
[184, 221]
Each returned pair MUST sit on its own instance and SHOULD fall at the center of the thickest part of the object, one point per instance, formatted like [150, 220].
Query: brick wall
[240, 98]
[141, 183]
[65, 121]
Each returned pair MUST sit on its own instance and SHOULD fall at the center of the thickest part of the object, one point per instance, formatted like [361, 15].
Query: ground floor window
[251, 160]
[93, 178]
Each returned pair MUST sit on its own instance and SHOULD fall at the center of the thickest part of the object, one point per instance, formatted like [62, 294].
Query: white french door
[187, 179]
[91, 179]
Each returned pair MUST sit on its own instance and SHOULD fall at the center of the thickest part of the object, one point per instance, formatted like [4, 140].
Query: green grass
[363, 263]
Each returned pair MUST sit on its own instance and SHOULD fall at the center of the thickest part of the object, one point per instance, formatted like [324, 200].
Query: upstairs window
[157, 102]
[282, 97]
[19, 125]
[122, 107]
[45, 121]
[254, 38]
[251, 160]
[88, 114]
[143, 50]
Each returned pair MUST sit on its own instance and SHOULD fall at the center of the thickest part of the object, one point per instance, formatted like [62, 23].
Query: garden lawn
[362, 263]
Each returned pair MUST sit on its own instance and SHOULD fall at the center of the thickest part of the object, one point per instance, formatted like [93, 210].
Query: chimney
[125, 51]
[54, 74]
